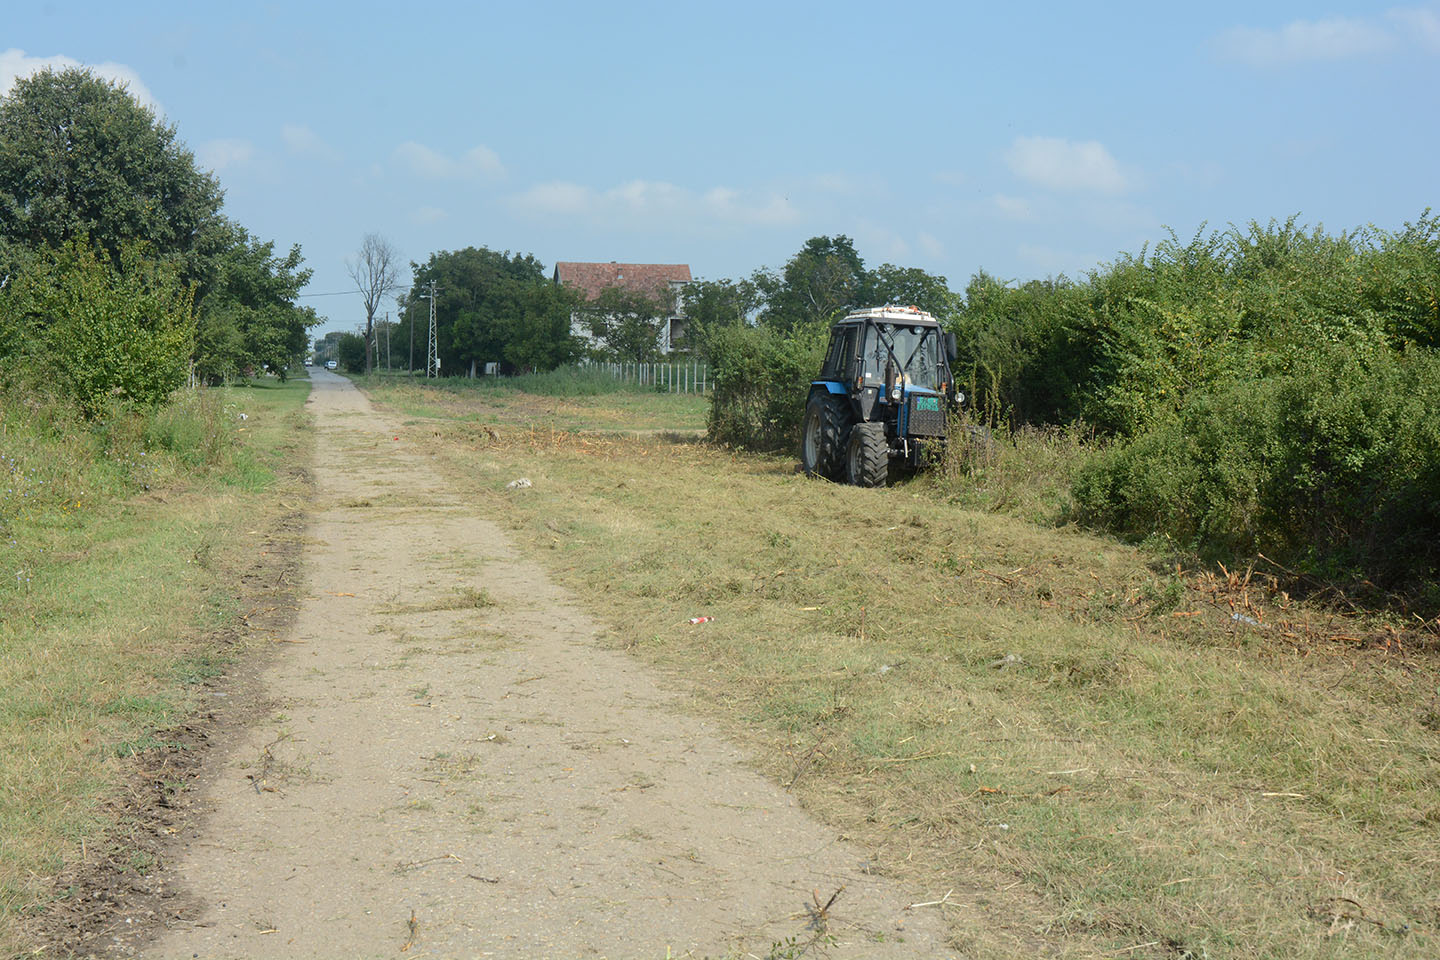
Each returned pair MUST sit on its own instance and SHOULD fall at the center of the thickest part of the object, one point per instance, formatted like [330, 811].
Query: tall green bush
[350, 351]
[1332, 468]
[762, 378]
[100, 332]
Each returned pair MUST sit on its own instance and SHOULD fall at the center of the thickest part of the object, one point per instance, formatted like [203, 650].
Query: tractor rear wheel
[868, 460]
[824, 435]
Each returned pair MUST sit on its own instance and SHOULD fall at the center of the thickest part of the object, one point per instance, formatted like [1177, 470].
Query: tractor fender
[831, 386]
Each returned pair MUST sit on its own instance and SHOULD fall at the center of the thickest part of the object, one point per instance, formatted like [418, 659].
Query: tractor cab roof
[910, 316]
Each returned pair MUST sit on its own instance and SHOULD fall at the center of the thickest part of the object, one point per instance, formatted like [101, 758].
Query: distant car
[331, 364]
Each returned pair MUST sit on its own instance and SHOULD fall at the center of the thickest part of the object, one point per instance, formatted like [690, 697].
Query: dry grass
[626, 408]
[1090, 749]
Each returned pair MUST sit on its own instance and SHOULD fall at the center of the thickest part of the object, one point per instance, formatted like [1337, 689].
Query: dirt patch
[450, 763]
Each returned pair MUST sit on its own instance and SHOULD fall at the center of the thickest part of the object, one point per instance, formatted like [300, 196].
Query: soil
[448, 763]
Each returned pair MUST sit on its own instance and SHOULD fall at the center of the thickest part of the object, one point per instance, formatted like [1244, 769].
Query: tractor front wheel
[868, 462]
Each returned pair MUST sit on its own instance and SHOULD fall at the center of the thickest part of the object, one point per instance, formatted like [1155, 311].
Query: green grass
[1078, 740]
[118, 563]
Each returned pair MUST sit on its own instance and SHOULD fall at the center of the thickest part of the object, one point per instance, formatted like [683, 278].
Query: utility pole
[432, 355]
[387, 341]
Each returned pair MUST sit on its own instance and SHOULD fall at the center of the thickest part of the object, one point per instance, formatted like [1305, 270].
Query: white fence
[675, 377]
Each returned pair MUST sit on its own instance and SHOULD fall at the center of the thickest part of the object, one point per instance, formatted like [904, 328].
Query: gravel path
[455, 768]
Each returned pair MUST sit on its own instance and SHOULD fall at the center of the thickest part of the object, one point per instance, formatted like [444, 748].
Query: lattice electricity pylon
[432, 354]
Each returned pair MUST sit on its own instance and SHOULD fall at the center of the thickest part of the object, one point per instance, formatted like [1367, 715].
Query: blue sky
[1024, 139]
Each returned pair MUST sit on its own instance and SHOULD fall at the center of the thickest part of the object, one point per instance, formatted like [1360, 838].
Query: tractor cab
[882, 394]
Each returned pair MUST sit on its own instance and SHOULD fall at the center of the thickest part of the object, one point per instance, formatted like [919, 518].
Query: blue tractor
[882, 398]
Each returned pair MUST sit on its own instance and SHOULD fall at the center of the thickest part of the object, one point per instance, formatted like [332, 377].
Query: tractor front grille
[925, 416]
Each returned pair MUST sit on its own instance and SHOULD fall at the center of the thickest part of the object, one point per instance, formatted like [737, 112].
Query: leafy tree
[821, 282]
[327, 348]
[102, 332]
[911, 286]
[250, 319]
[715, 305]
[539, 337]
[80, 157]
[627, 323]
[492, 307]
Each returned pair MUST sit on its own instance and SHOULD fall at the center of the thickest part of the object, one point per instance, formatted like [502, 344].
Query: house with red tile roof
[659, 281]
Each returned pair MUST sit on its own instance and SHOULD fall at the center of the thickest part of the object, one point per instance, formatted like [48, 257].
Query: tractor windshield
[916, 352]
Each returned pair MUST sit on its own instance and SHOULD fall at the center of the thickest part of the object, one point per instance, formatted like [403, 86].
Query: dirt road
[454, 768]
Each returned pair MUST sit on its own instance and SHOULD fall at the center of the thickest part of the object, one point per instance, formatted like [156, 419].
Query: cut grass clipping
[121, 566]
[1097, 754]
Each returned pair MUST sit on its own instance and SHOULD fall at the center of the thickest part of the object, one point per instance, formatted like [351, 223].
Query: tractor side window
[832, 357]
[842, 347]
[873, 356]
[847, 352]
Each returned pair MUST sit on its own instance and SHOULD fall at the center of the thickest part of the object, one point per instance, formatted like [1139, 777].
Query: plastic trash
[701, 619]
[1241, 618]
[519, 484]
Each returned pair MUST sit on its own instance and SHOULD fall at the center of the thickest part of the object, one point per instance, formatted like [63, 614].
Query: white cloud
[428, 215]
[301, 141]
[558, 197]
[1337, 38]
[222, 154]
[1334, 38]
[1013, 208]
[650, 200]
[15, 63]
[476, 163]
[880, 242]
[1421, 25]
[1059, 164]
[930, 245]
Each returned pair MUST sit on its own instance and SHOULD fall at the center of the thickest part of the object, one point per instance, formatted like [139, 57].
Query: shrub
[100, 332]
[1333, 468]
[762, 378]
[350, 351]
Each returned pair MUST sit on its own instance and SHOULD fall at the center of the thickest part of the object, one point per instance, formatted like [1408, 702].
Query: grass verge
[1097, 755]
[136, 548]
[578, 402]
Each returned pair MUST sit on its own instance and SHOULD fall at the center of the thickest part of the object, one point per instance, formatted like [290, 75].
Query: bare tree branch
[376, 275]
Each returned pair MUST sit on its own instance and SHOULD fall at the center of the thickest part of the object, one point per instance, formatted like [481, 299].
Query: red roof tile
[650, 278]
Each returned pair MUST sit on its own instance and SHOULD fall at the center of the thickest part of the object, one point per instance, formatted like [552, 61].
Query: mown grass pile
[119, 534]
[1097, 754]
